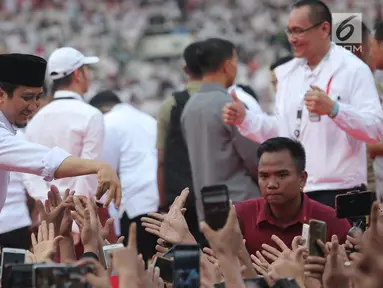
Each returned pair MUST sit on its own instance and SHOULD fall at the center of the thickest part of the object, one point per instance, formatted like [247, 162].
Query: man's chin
[20, 125]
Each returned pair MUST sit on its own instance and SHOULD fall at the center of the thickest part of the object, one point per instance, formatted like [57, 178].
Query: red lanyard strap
[329, 85]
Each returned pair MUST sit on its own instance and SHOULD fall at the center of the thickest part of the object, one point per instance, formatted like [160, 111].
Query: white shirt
[15, 213]
[246, 98]
[74, 126]
[19, 155]
[335, 148]
[130, 137]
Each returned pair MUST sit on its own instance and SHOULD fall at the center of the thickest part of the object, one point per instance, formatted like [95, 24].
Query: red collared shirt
[258, 225]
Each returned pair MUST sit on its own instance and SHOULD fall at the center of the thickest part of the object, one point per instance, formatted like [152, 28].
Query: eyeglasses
[300, 31]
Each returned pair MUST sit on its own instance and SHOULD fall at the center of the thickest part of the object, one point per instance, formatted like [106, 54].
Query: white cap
[65, 61]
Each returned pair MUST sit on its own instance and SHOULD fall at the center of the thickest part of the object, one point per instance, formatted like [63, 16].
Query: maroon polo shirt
[258, 225]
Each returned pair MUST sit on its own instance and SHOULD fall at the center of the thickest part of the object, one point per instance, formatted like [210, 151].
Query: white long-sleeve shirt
[335, 148]
[19, 155]
[74, 126]
[130, 138]
[15, 214]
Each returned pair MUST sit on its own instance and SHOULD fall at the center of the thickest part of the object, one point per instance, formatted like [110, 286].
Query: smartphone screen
[17, 276]
[356, 204]
[59, 276]
[166, 268]
[109, 249]
[318, 231]
[12, 256]
[216, 205]
[186, 266]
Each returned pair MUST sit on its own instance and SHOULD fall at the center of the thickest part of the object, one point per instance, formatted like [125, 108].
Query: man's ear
[3, 95]
[303, 179]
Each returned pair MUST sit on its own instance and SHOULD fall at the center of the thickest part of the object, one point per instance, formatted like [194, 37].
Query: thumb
[121, 240]
[234, 96]
[205, 229]
[109, 224]
[57, 240]
[315, 88]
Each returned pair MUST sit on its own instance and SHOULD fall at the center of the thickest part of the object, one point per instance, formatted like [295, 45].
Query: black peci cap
[22, 69]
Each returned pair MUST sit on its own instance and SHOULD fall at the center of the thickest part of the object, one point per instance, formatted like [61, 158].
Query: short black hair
[379, 31]
[63, 82]
[281, 61]
[319, 11]
[8, 88]
[190, 57]
[104, 98]
[278, 144]
[212, 53]
[249, 91]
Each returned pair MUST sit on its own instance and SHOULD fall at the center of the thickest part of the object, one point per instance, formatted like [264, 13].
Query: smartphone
[166, 268]
[170, 253]
[306, 234]
[17, 276]
[60, 276]
[354, 204]
[12, 256]
[317, 231]
[216, 205]
[186, 266]
[108, 249]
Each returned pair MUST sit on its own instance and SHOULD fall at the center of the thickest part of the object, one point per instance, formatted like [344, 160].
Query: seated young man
[284, 208]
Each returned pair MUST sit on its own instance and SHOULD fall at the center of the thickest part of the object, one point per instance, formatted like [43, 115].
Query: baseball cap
[64, 61]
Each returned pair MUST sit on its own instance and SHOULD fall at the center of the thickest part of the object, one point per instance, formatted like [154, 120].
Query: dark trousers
[192, 220]
[327, 197]
[19, 238]
[146, 242]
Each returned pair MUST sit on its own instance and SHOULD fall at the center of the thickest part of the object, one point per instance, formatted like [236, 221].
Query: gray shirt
[218, 153]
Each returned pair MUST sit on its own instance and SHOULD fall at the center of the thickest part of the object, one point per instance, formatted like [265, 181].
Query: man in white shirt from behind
[326, 98]
[67, 122]
[129, 147]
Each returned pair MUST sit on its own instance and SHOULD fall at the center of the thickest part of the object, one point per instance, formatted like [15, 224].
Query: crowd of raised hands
[356, 263]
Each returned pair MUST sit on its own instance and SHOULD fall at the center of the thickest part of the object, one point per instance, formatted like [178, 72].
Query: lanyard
[297, 131]
[63, 98]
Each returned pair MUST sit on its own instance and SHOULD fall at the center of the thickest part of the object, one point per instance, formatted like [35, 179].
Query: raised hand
[171, 227]
[55, 207]
[45, 245]
[234, 113]
[109, 183]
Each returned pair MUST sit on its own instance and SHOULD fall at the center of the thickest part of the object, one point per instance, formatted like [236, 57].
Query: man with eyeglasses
[326, 99]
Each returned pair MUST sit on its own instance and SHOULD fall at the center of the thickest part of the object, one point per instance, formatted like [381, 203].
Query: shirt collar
[7, 124]
[302, 217]
[66, 93]
[209, 87]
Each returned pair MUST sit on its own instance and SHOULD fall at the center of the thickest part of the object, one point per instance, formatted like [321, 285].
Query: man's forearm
[73, 166]
[375, 149]
[67, 250]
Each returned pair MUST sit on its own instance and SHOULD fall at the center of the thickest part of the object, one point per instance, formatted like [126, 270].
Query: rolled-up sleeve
[19, 155]
[259, 127]
[362, 118]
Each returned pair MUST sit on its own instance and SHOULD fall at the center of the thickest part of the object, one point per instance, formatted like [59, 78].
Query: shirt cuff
[52, 160]
[243, 128]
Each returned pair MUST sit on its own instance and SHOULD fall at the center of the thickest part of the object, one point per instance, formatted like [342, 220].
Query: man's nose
[273, 183]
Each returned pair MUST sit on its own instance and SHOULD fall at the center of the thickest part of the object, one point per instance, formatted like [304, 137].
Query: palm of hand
[174, 227]
[44, 250]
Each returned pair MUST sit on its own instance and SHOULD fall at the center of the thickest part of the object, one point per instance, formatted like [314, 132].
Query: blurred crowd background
[140, 41]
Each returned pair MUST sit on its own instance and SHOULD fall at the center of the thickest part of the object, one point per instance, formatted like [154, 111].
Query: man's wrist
[334, 111]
